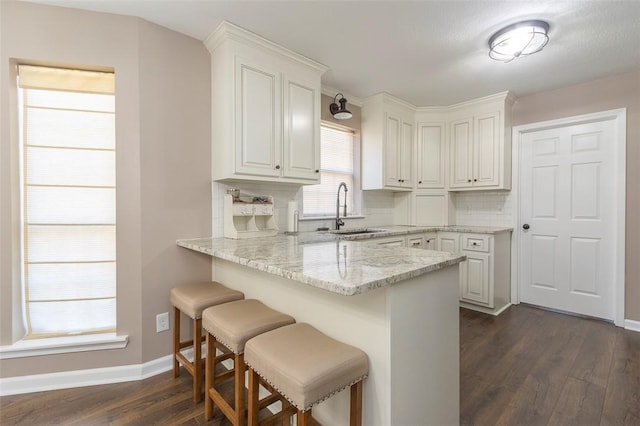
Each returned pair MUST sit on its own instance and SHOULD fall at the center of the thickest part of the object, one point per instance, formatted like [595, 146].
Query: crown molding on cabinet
[505, 96]
[227, 30]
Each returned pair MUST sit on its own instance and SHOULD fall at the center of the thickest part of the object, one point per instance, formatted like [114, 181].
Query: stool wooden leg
[197, 360]
[239, 367]
[304, 418]
[355, 414]
[253, 398]
[176, 341]
[208, 377]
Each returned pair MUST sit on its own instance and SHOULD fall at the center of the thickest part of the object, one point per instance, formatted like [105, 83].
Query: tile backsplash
[377, 206]
[485, 208]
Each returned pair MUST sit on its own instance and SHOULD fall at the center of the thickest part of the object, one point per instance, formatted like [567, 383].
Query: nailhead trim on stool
[192, 299]
[306, 367]
[232, 325]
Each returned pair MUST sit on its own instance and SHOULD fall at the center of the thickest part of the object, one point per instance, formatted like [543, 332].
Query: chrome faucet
[340, 222]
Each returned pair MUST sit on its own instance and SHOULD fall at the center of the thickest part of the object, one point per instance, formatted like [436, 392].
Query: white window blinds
[69, 200]
[336, 165]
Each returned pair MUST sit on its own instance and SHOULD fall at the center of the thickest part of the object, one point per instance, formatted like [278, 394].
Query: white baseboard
[632, 325]
[91, 377]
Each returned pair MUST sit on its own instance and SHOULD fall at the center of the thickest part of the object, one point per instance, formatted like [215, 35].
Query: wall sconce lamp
[519, 39]
[341, 112]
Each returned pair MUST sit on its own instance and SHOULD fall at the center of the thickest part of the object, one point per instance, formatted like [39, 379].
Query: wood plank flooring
[524, 367]
[534, 367]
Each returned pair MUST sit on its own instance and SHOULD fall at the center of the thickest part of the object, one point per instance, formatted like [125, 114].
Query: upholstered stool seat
[306, 367]
[192, 299]
[232, 325]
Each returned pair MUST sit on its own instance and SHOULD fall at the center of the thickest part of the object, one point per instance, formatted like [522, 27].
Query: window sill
[302, 219]
[61, 345]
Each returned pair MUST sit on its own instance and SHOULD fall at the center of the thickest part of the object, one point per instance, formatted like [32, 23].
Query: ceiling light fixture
[340, 113]
[519, 39]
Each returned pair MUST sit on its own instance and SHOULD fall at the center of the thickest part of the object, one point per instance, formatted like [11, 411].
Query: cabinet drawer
[476, 242]
[391, 242]
[417, 242]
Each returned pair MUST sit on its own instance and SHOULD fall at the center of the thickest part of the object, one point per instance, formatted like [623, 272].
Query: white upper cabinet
[387, 144]
[431, 156]
[265, 109]
[258, 147]
[480, 144]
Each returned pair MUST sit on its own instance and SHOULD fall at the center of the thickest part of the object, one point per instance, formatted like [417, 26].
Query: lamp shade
[340, 112]
[520, 39]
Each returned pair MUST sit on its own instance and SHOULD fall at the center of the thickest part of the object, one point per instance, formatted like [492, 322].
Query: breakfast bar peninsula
[399, 305]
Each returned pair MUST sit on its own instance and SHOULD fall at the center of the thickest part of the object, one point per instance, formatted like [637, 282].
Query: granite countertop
[325, 260]
[394, 230]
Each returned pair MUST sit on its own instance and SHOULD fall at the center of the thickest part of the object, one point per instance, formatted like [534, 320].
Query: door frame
[619, 117]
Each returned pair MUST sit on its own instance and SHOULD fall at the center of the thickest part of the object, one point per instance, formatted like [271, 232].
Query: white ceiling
[425, 52]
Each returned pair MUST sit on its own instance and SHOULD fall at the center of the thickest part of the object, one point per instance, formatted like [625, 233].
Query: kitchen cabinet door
[475, 278]
[486, 150]
[431, 160]
[301, 146]
[258, 118]
[430, 241]
[461, 149]
[388, 135]
[398, 149]
[449, 241]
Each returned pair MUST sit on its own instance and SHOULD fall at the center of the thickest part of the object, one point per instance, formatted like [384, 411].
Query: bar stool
[306, 367]
[192, 299]
[232, 325]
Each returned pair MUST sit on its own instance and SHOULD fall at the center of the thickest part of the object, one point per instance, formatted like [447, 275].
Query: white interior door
[568, 218]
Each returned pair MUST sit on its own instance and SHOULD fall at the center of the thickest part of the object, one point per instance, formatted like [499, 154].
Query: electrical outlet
[162, 322]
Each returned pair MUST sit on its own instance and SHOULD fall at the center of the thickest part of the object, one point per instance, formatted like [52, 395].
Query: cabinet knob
[419, 181]
[468, 180]
[525, 226]
[317, 171]
[277, 167]
[475, 180]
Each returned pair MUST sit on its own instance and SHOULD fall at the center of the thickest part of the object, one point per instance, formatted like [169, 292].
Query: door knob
[525, 226]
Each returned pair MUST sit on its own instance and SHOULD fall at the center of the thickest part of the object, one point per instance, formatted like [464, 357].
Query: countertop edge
[332, 287]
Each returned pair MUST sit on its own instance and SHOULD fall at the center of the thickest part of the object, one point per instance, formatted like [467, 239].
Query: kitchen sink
[356, 231]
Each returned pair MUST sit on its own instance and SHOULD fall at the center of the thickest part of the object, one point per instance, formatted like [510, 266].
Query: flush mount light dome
[341, 112]
[520, 39]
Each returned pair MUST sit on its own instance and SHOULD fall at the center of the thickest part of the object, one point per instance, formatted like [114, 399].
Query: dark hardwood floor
[524, 367]
[534, 367]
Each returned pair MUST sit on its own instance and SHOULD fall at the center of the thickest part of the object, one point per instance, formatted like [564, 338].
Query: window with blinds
[336, 165]
[69, 200]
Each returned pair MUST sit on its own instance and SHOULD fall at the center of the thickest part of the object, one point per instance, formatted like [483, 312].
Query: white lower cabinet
[416, 242]
[431, 241]
[475, 279]
[448, 241]
[485, 277]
